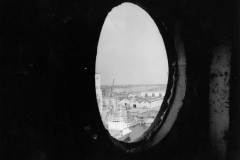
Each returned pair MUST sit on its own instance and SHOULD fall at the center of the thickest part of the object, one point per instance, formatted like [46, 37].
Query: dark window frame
[147, 139]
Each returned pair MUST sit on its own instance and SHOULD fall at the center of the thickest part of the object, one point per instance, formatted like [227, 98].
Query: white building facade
[99, 91]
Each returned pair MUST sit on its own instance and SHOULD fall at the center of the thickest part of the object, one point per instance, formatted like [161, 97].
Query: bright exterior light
[131, 72]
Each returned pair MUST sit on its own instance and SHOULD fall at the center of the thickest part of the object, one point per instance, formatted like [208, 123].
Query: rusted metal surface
[219, 99]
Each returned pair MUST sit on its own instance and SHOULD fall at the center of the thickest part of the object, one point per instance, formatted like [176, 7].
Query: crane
[111, 92]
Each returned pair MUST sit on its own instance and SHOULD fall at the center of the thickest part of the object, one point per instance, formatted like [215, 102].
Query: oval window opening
[131, 72]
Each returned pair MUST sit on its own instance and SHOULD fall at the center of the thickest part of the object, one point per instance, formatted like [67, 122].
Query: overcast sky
[130, 48]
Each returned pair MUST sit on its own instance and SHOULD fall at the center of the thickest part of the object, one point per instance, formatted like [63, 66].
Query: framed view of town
[131, 72]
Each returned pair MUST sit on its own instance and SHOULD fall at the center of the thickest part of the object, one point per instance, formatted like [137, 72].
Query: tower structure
[99, 91]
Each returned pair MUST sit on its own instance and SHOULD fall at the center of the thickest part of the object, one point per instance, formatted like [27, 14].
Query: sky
[130, 48]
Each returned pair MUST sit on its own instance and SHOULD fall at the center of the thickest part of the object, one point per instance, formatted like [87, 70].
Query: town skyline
[128, 110]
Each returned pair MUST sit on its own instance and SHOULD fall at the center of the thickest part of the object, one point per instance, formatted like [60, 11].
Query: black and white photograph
[120, 80]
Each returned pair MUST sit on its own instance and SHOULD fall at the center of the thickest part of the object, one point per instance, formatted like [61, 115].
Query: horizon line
[134, 84]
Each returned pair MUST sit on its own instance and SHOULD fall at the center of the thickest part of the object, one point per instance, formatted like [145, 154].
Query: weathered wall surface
[219, 97]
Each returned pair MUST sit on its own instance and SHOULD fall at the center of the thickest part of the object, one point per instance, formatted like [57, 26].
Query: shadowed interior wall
[219, 99]
[47, 95]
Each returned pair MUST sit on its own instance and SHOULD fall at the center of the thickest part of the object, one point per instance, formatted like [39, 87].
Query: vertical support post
[219, 99]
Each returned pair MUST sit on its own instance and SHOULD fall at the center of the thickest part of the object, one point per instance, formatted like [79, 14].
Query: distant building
[110, 102]
[152, 94]
[156, 102]
[117, 123]
[124, 102]
[131, 95]
[99, 91]
[141, 102]
[118, 129]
